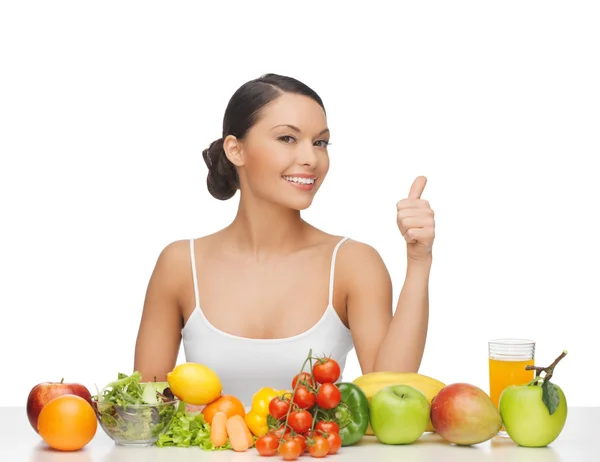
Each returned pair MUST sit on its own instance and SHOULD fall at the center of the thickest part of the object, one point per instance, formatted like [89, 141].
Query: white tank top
[246, 365]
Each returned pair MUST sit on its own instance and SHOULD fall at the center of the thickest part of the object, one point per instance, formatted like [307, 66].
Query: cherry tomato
[304, 398]
[267, 445]
[328, 396]
[281, 432]
[319, 447]
[302, 441]
[326, 370]
[300, 421]
[303, 376]
[335, 442]
[327, 426]
[278, 408]
[290, 449]
[300, 438]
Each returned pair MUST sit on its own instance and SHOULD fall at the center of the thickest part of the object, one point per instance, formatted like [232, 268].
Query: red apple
[42, 393]
[464, 414]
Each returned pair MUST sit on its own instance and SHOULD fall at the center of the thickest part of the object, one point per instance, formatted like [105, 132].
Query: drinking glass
[508, 358]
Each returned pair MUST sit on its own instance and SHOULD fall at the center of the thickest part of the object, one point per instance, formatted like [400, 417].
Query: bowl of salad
[132, 412]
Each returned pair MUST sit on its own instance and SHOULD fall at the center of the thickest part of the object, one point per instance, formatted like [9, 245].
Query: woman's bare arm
[159, 335]
[403, 346]
[386, 341]
[369, 300]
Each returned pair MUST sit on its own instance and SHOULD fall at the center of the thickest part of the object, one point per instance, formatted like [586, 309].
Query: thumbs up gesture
[416, 222]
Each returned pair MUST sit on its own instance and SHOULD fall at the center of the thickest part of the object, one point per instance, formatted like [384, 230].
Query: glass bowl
[135, 424]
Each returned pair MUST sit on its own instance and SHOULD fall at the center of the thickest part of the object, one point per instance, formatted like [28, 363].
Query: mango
[464, 414]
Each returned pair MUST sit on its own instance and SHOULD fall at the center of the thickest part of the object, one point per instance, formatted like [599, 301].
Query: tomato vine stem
[286, 424]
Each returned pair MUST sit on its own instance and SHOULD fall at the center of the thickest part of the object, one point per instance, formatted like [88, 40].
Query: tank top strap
[194, 275]
[332, 268]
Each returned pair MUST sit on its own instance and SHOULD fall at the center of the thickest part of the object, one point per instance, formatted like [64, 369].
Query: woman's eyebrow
[293, 127]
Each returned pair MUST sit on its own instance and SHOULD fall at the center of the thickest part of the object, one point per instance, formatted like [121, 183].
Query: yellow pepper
[256, 418]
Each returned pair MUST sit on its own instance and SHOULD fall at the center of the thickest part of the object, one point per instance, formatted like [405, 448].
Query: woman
[251, 300]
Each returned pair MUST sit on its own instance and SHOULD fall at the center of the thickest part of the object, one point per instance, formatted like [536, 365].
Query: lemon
[194, 383]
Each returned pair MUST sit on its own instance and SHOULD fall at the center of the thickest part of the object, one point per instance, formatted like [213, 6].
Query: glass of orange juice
[508, 358]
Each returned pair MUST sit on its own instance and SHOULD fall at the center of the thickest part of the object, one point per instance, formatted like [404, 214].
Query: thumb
[417, 188]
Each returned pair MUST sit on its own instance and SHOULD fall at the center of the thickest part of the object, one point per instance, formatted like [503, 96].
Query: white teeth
[296, 179]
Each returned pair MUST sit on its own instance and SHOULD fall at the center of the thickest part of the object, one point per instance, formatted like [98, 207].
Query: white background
[105, 108]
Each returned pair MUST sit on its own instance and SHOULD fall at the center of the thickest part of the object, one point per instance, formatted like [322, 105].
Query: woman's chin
[301, 205]
[298, 203]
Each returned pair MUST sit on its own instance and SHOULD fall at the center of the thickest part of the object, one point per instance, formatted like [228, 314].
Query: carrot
[248, 434]
[218, 429]
[236, 430]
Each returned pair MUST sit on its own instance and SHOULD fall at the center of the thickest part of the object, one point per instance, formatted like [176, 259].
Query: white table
[579, 442]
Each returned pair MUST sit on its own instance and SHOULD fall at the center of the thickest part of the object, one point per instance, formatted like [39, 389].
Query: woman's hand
[416, 222]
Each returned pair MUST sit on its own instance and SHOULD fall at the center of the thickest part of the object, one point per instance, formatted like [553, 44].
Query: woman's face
[284, 156]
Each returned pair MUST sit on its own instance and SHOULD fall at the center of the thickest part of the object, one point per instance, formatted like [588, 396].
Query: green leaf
[272, 422]
[188, 430]
[550, 396]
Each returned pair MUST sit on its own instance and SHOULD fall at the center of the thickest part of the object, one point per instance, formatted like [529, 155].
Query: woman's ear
[233, 150]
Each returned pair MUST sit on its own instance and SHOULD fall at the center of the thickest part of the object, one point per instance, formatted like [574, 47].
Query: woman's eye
[286, 138]
[324, 143]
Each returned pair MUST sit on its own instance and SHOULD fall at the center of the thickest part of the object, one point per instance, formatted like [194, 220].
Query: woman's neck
[263, 228]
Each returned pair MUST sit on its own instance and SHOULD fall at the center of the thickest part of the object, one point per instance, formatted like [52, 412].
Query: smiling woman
[250, 300]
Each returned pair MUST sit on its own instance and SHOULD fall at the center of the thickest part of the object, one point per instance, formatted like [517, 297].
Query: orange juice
[504, 373]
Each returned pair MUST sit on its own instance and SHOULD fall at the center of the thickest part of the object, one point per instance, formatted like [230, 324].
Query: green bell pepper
[352, 413]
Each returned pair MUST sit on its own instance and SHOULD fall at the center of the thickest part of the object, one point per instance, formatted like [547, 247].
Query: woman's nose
[308, 156]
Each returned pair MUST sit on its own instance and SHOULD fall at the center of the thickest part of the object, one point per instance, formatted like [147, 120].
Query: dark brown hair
[241, 114]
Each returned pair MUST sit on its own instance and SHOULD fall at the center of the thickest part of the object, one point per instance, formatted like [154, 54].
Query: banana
[372, 382]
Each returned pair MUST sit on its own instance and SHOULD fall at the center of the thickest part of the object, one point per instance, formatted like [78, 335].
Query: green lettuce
[116, 406]
[189, 429]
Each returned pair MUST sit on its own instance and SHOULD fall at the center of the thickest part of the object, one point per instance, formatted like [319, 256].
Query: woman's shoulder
[359, 254]
[358, 262]
[177, 254]
[350, 248]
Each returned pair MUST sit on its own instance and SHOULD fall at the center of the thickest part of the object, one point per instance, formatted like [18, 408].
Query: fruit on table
[352, 413]
[67, 423]
[300, 420]
[256, 418]
[399, 414]
[534, 414]
[464, 414]
[42, 393]
[326, 370]
[228, 404]
[309, 417]
[372, 382]
[267, 444]
[328, 396]
[194, 383]
[318, 447]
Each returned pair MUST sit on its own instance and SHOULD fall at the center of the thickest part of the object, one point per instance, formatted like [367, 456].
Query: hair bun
[222, 180]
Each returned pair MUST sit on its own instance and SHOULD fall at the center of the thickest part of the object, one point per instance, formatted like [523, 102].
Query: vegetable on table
[239, 434]
[130, 409]
[352, 413]
[256, 418]
[218, 429]
[189, 429]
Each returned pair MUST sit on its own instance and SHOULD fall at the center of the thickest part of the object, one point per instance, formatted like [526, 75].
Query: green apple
[527, 418]
[399, 414]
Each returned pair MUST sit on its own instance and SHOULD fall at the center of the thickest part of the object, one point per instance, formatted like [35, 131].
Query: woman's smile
[301, 181]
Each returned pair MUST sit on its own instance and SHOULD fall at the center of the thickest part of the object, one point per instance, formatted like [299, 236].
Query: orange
[228, 404]
[67, 423]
